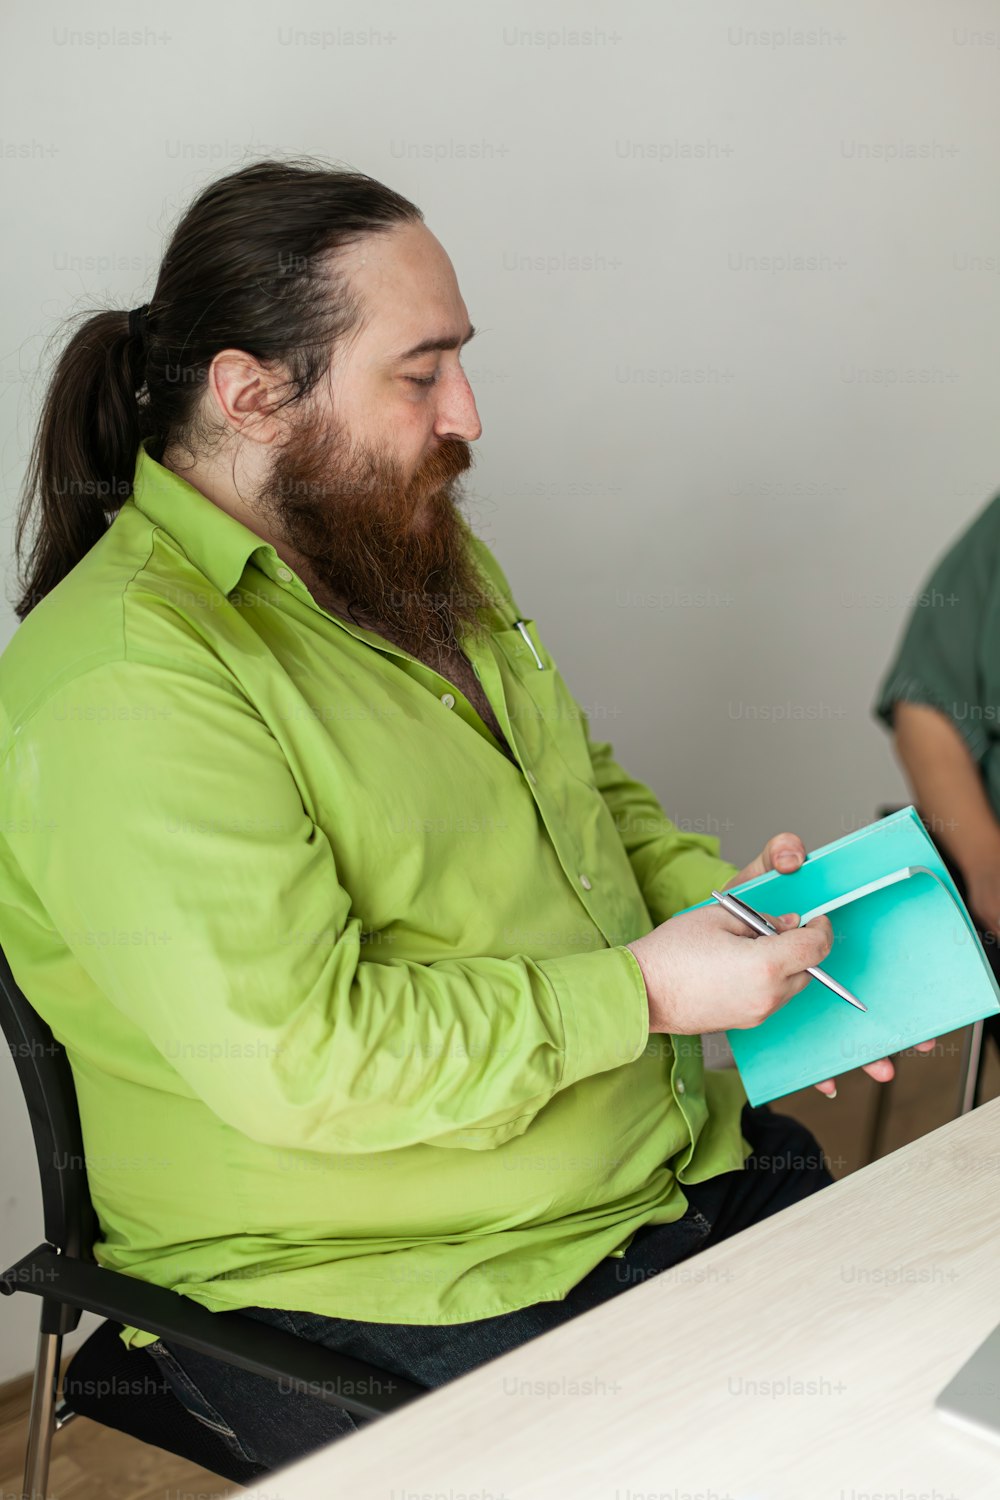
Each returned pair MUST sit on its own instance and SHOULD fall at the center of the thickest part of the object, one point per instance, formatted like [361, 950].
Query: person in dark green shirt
[940, 697]
[371, 963]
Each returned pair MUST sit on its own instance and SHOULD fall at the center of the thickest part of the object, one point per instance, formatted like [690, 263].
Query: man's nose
[457, 414]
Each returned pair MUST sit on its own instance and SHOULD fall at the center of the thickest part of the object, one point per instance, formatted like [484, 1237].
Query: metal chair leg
[41, 1418]
[972, 1052]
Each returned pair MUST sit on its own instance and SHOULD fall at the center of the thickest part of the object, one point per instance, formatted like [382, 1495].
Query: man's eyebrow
[432, 346]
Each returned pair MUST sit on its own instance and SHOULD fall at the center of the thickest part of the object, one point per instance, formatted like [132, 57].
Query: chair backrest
[50, 1094]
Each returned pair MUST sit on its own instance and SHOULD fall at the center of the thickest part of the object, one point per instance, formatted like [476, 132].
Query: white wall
[806, 440]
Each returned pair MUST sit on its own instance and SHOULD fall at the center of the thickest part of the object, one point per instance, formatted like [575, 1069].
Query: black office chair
[63, 1273]
[973, 1051]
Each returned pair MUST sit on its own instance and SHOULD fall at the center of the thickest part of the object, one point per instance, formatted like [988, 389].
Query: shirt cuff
[604, 1007]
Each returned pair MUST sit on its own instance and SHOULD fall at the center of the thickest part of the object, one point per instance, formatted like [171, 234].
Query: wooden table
[796, 1361]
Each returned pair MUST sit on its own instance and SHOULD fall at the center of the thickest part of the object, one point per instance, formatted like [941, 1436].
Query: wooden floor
[91, 1462]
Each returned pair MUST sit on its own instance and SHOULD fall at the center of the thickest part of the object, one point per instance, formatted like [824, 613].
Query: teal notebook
[904, 944]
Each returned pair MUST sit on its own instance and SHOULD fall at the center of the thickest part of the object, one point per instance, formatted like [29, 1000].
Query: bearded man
[371, 964]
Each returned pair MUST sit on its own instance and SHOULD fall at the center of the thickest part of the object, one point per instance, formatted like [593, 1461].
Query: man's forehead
[408, 286]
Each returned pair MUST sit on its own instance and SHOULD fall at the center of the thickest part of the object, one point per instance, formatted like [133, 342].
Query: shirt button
[585, 882]
[679, 1085]
[448, 699]
[284, 575]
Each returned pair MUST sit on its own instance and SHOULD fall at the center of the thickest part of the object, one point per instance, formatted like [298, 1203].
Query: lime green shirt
[344, 989]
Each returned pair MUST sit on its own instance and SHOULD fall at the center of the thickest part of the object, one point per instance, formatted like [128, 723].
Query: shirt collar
[217, 543]
[220, 546]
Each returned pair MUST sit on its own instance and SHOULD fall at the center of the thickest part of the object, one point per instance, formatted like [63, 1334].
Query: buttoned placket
[682, 1079]
[481, 664]
[448, 693]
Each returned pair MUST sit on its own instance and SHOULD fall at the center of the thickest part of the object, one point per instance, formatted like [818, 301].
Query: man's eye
[422, 379]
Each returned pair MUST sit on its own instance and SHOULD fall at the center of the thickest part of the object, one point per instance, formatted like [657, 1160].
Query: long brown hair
[251, 265]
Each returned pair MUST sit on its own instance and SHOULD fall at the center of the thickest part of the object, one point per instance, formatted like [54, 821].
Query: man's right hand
[706, 971]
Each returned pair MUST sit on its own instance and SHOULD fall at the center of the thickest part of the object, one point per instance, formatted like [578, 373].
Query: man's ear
[246, 392]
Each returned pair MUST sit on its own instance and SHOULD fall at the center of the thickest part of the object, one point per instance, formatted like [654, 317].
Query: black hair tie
[137, 322]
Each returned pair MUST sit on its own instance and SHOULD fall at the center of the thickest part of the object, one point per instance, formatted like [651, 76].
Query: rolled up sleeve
[940, 657]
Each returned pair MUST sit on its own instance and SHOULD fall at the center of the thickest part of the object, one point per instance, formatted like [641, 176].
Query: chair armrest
[335, 1378]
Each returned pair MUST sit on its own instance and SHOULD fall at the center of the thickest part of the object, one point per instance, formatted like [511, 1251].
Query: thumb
[785, 922]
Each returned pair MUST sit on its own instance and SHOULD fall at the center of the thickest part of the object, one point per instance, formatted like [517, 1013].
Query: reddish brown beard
[396, 553]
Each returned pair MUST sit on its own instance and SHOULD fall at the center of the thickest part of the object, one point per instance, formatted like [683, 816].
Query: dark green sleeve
[950, 639]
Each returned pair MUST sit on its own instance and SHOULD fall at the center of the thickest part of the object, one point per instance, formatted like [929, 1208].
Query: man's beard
[395, 551]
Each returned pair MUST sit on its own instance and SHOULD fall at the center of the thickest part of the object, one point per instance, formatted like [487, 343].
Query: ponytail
[83, 457]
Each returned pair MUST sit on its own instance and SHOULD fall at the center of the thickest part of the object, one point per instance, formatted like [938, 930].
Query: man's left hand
[784, 853]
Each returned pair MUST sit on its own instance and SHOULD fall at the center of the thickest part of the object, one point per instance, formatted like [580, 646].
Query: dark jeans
[268, 1424]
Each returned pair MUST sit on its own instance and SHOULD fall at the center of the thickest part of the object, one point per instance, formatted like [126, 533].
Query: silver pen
[737, 908]
[520, 625]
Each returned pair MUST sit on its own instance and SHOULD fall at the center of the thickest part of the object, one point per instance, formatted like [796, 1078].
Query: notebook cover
[904, 944]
